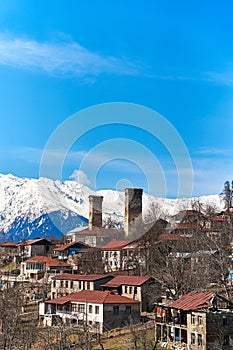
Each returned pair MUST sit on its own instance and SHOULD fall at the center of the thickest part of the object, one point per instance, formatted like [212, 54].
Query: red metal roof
[9, 244]
[115, 245]
[118, 281]
[93, 296]
[193, 301]
[217, 218]
[132, 245]
[66, 246]
[79, 277]
[33, 241]
[48, 261]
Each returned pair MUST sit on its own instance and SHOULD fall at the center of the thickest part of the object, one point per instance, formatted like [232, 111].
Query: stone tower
[95, 211]
[133, 209]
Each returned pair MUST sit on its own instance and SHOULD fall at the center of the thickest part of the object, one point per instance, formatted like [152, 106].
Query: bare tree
[18, 330]
[227, 194]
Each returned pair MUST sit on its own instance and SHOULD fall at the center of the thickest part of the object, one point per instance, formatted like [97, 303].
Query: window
[192, 338]
[115, 310]
[97, 310]
[130, 290]
[193, 319]
[224, 321]
[62, 284]
[67, 284]
[54, 284]
[199, 339]
[200, 320]
[74, 307]
[135, 290]
[90, 309]
[88, 285]
[81, 307]
[128, 310]
[71, 284]
[79, 285]
[226, 340]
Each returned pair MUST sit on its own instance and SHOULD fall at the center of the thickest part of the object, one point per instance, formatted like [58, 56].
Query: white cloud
[220, 78]
[80, 177]
[61, 58]
[213, 151]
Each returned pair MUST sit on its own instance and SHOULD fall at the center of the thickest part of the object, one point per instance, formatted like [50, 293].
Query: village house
[69, 250]
[96, 236]
[112, 255]
[69, 283]
[196, 321]
[133, 257]
[8, 249]
[34, 247]
[139, 288]
[89, 260]
[37, 267]
[189, 222]
[109, 258]
[91, 310]
[136, 255]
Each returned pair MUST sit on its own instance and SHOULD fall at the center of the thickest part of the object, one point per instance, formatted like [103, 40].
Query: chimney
[95, 211]
[133, 209]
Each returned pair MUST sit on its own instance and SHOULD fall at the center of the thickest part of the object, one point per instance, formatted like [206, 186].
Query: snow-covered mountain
[38, 207]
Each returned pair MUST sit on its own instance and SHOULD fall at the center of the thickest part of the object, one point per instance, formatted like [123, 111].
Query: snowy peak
[38, 207]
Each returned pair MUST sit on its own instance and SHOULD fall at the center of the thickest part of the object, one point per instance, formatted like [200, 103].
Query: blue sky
[60, 57]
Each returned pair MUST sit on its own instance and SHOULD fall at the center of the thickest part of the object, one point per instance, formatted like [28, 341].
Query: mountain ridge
[39, 207]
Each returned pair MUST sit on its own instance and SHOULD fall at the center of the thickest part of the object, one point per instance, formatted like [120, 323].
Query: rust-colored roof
[228, 212]
[132, 245]
[33, 241]
[67, 246]
[48, 261]
[9, 244]
[79, 277]
[115, 245]
[217, 218]
[118, 281]
[93, 296]
[193, 301]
